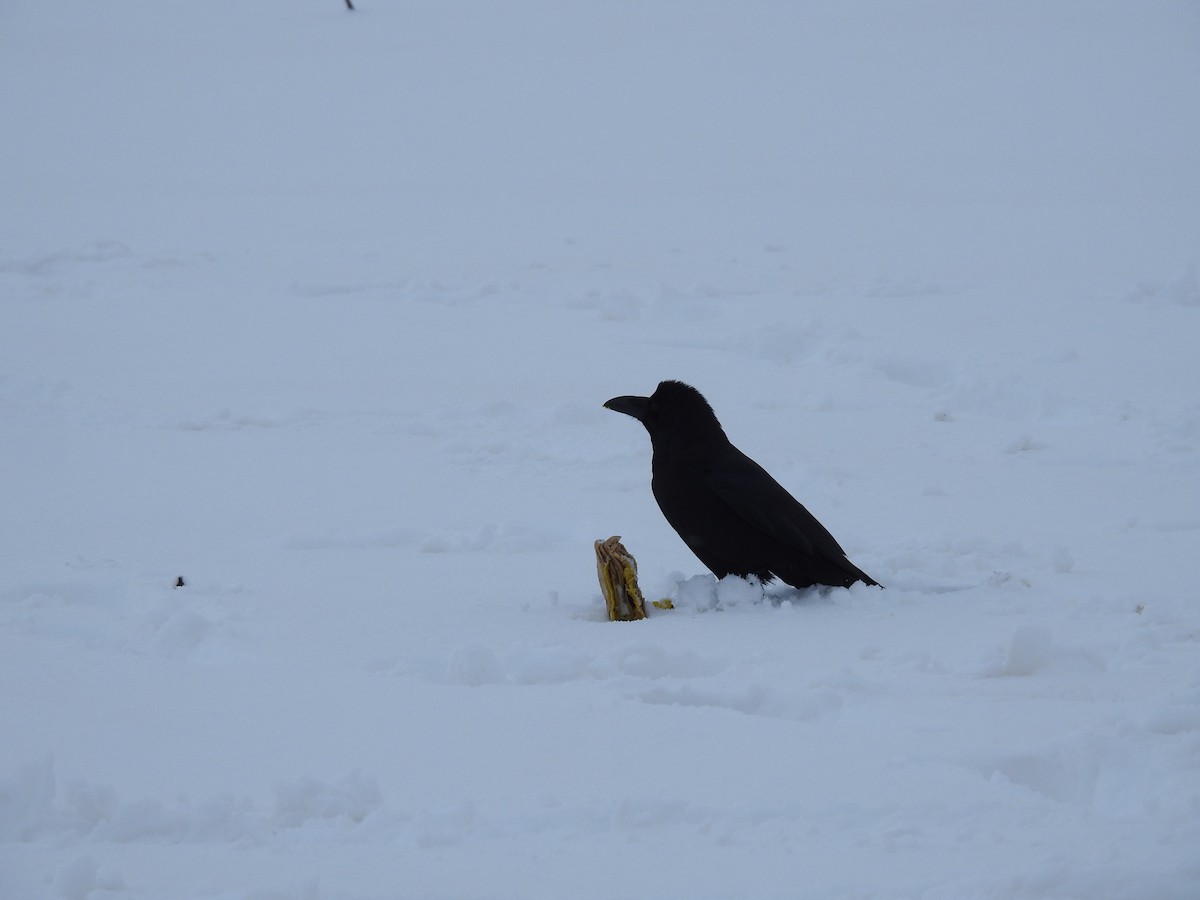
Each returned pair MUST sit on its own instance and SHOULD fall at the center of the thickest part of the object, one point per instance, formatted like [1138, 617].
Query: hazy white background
[317, 309]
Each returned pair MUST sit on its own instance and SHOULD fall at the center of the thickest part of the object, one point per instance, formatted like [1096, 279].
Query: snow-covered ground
[317, 310]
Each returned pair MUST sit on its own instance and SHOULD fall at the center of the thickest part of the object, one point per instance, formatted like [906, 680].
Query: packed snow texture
[316, 310]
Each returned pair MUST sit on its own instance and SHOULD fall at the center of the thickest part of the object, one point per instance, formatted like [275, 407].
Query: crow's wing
[750, 491]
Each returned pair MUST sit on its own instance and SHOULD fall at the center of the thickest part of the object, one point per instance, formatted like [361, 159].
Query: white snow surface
[316, 309]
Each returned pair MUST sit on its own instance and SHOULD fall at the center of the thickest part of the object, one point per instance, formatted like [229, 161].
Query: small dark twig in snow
[349, 5]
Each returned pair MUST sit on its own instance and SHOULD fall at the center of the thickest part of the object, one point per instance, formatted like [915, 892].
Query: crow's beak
[631, 406]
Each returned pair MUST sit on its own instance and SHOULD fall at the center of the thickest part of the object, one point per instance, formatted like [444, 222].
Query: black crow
[734, 516]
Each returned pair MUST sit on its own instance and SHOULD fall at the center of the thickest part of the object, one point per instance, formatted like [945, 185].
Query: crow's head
[675, 410]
